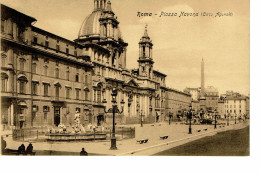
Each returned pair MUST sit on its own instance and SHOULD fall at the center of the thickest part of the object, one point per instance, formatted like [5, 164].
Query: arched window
[22, 84]
[4, 78]
[77, 78]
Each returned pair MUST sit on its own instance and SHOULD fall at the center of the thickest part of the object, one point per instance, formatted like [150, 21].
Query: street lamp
[215, 126]
[170, 117]
[228, 119]
[190, 117]
[141, 115]
[114, 110]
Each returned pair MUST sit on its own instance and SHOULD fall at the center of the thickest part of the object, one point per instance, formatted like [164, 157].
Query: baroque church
[46, 79]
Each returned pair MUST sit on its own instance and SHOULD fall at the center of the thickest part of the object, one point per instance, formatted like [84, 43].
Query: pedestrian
[3, 144]
[29, 149]
[21, 150]
[83, 152]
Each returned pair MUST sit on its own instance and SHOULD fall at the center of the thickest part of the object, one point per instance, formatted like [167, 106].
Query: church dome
[91, 25]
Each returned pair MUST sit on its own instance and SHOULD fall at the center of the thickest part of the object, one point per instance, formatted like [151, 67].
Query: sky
[180, 43]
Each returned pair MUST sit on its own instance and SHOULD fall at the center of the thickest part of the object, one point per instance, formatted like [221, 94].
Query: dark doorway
[100, 119]
[56, 115]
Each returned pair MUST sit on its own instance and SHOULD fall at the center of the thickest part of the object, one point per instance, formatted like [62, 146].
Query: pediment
[132, 82]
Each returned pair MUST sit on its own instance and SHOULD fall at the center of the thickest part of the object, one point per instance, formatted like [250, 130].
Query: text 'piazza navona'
[47, 79]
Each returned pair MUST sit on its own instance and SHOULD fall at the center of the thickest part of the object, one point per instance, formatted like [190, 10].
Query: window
[78, 109]
[46, 43]
[35, 39]
[22, 64]
[2, 26]
[95, 94]
[57, 73]
[86, 79]
[67, 75]
[57, 47]
[34, 65]
[46, 70]
[45, 89]
[77, 94]
[46, 60]
[67, 50]
[75, 52]
[77, 78]
[99, 94]
[157, 100]
[67, 93]
[3, 60]
[86, 94]
[3, 84]
[34, 88]
[45, 116]
[143, 51]
[46, 108]
[22, 87]
[57, 91]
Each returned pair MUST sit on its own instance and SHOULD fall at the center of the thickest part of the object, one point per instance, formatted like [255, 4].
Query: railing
[34, 133]
[43, 134]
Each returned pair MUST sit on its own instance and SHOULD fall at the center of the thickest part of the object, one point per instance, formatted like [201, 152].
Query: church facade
[46, 79]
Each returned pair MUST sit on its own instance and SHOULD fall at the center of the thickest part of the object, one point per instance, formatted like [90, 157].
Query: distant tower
[202, 91]
[145, 56]
[202, 79]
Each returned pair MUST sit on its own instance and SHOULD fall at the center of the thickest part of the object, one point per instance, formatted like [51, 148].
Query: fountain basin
[75, 137]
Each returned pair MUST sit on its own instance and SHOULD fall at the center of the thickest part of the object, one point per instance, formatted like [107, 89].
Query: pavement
[178, 135]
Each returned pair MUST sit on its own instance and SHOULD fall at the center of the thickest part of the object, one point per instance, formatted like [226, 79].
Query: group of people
[28, 151]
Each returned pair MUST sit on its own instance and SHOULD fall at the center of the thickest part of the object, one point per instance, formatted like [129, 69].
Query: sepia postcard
[125, 78]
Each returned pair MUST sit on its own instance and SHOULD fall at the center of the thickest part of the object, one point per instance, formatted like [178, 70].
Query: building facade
[46, 79]
[236, 105]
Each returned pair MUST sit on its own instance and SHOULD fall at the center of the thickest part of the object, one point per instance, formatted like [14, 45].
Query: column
[10, 56]
[102, 30]
[9, 27]
[15, 34]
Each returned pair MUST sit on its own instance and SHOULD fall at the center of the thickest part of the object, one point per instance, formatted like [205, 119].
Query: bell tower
[145, 56]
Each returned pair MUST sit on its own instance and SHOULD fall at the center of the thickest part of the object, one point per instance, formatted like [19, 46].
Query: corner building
[45, 78]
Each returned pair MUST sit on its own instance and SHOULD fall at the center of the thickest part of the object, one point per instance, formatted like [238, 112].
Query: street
[229, 143]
